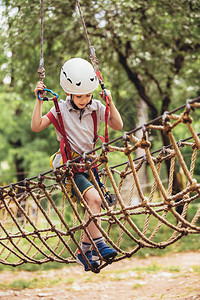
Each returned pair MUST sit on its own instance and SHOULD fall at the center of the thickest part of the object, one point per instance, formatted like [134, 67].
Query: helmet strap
[90, 101]
[74, 105]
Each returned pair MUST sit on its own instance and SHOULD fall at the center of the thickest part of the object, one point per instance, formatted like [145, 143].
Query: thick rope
[93, 57]
[41, 70]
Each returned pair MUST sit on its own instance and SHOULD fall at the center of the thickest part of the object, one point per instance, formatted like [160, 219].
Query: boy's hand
[39, 88]
[103, 97]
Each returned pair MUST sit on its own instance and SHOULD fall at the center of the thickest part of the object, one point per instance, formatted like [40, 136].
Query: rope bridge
[40, 221]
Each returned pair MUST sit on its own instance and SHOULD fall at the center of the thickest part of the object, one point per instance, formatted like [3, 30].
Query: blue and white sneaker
[105, 251]
[80, 260]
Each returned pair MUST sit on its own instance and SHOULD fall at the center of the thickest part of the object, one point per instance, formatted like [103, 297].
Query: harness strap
[53, 120]
[64, 144]
[100, 78]
[106, 120]
[57, 126]
[63, 152]
[62, 129]
[94, 117]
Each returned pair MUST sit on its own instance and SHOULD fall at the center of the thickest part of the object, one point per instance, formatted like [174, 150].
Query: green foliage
[147, 49]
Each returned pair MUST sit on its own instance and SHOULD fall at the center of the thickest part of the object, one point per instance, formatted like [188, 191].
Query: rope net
[40, 221]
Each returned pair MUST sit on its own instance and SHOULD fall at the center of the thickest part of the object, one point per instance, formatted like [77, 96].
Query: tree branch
[134, 78]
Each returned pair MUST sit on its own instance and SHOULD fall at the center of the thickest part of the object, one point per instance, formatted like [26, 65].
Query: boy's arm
[115, 120]
[39, 122]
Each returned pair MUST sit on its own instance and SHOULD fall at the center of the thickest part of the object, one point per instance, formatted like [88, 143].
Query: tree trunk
[142, 117]
[20, 178]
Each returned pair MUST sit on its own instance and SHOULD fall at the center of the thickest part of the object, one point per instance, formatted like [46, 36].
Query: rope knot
[11, 191]
[122, 174]
[40, 181]
[145, 144]
[94, 61]
[1, 193]
[145, 202]
[27, 185]
[103, 158]
[59, 176]
[41, 73]
[194, 145]
[127, 150]
[193, 185]
[187, 118]
[167, 128]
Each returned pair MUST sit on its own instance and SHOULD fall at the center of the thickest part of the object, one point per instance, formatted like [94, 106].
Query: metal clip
[47, 98]
[125, 137]
[41, 64]
[84, 157]
[128, 164]
[180, 143]
[187, 105]
[103, 171]
[67, 164]
[40, 178]
[164, 150]
[11, 187]
[92, 50]
[145, 158]
[144, 130]
[103, 147]
[165, 117]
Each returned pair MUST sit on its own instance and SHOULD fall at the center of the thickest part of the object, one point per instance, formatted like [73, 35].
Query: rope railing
[40, 221]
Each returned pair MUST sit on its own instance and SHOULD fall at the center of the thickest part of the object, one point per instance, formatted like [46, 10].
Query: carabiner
[47, 98]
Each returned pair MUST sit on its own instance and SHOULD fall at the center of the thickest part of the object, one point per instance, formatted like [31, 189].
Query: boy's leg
[86, 188]
[105, 251]
[86, 248]
[94, 202]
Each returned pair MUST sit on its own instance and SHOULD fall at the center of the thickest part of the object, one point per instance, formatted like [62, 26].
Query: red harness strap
[98, 73]
[96, 136]
[64, 144]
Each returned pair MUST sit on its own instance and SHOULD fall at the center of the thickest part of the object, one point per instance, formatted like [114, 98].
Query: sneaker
[80, 260]
[105, 251]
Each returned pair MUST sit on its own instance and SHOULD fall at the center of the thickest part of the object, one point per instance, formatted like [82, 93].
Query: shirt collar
[71, 108]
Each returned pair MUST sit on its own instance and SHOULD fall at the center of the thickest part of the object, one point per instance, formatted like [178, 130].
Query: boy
[78, 79]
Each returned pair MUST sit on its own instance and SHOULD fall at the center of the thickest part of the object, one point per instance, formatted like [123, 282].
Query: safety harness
[64, 143]
[111, 199]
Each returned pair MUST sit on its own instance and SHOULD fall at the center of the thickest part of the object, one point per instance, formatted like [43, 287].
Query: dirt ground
[174, 276]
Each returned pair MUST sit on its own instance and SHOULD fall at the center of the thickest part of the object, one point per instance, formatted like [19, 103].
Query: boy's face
[81, 100]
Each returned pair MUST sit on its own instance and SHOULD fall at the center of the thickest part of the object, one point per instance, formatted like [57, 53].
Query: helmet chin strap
[76, 107]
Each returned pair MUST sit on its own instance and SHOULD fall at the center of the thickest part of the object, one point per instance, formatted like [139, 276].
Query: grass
[30, 283]
[153, 268]
[137, 286]
[137, 274]
[196, 269]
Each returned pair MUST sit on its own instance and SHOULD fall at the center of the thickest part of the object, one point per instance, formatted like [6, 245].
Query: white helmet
[78, 77]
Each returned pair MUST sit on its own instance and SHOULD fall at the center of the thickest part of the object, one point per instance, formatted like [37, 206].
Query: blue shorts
[83, 182]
